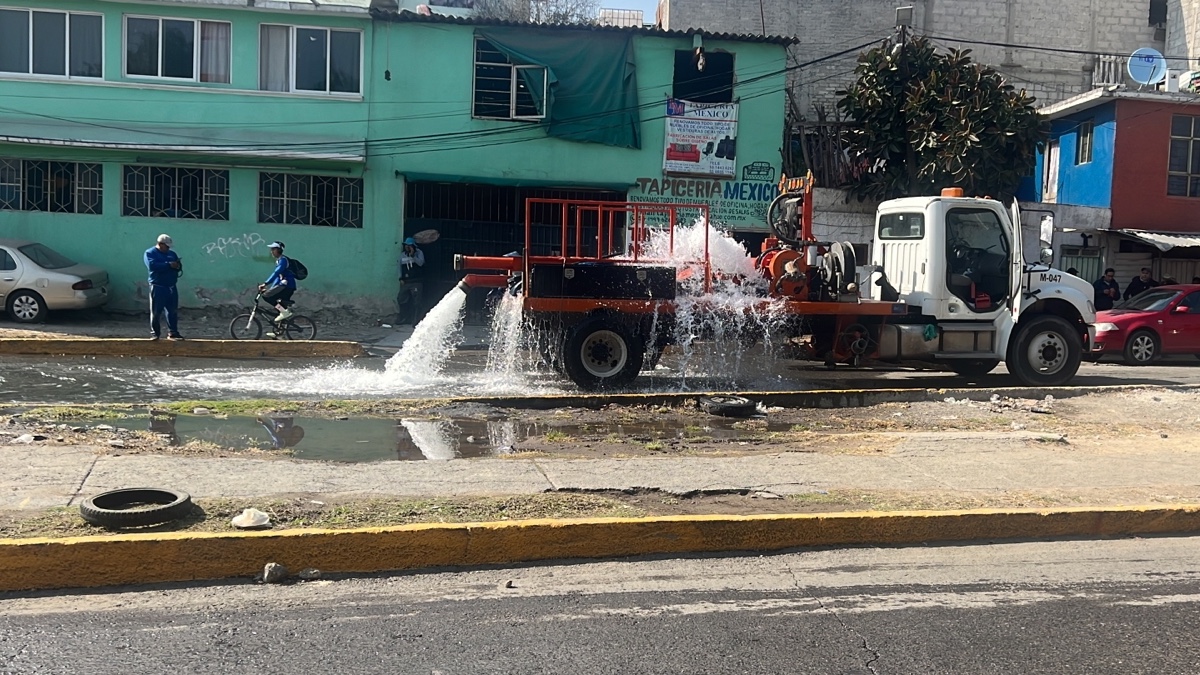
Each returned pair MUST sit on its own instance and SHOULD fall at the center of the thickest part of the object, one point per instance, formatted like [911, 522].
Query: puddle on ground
[369, 440]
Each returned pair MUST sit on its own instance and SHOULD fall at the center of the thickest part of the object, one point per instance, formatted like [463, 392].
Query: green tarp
[592, 83]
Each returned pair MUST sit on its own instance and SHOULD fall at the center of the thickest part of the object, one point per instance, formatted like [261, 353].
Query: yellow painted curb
[27, 564]
[233, 349]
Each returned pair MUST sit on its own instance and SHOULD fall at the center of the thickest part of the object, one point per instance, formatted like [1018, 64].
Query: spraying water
[433, 340]
[713, 332]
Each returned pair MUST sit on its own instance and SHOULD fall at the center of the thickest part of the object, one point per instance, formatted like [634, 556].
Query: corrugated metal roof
[651, 31]
[1163, 241]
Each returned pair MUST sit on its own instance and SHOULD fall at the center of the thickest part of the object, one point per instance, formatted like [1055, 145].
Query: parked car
[35, 278]
[1163, 320]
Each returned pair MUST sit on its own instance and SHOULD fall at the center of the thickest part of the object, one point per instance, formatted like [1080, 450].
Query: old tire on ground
[727, 406]
[1141, 348]
[1045, 351]
[135, 507]
[26, 307]
[973, 367]
[245, 327]
[602, 354]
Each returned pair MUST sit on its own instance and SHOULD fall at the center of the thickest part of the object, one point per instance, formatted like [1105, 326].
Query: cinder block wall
[828, 26]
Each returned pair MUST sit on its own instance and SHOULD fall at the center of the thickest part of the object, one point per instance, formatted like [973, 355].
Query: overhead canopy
[210, 141]
[593, 86]
[1163, 241]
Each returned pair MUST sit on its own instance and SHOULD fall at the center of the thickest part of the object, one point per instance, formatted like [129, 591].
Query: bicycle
[247, 326]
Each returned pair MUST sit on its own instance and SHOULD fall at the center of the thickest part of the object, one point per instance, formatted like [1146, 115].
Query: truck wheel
[601, 354]
[973, 368]
[1045, 352]
[1141, 348]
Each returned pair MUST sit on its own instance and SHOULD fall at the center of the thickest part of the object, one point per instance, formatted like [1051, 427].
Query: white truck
[973, 299]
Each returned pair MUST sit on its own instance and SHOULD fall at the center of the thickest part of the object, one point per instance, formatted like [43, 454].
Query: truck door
[1017, 261]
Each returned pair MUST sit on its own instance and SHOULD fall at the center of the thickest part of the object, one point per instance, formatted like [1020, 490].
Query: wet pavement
[405, 439]
[150, 380]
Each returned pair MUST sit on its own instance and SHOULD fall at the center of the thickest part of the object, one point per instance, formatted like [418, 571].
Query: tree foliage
[539, 11]
[928, 120]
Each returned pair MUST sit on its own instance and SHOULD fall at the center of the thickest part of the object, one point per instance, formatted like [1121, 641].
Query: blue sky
[648, 7]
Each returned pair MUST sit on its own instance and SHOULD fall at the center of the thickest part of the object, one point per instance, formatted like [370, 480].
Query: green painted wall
[429, 93]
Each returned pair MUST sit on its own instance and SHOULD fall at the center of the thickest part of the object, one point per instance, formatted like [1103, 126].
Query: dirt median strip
[189, 348]
[30, 564]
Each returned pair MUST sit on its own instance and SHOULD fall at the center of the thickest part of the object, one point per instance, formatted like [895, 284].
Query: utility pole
[904, 17]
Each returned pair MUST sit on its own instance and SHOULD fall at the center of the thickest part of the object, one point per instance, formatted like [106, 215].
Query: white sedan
[35, 278]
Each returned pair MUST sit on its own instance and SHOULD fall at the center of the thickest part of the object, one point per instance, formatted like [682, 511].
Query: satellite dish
[1147, 66]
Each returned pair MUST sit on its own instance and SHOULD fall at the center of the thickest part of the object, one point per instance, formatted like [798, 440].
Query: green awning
[214, 141]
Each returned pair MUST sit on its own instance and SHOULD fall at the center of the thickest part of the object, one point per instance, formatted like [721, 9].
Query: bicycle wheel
[299, 328]
[245, 327]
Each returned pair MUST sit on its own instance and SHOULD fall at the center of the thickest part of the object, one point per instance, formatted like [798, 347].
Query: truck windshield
[902, 226]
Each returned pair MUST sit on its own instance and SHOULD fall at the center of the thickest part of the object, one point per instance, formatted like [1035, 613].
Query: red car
[1163, 320]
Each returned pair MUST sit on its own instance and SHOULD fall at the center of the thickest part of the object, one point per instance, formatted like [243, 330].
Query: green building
[340, 127]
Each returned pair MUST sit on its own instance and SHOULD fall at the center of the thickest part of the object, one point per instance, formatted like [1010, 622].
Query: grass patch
[61, 413]
[213, 515]
[654, 446]
[556, 436]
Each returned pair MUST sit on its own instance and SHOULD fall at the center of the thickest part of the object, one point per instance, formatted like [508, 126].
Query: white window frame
[196, 63]
[514, 70]
[67, 70]
[292, 29]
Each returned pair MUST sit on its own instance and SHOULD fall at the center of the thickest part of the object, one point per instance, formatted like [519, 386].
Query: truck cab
[957, 263]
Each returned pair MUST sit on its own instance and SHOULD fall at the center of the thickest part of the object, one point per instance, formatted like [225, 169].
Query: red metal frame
[606, 212]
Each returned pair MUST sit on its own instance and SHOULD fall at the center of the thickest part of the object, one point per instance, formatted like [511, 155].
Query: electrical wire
[233, 145]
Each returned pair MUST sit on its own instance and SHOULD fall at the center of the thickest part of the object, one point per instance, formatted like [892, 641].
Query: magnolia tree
[928, 120]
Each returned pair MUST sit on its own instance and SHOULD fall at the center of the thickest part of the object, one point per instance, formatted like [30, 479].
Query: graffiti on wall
[234, 247]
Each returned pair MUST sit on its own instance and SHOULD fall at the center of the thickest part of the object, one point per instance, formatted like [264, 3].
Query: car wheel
[26, 307]
[1141, 348]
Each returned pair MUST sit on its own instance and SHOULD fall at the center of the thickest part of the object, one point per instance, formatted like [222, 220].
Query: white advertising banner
[701, 138]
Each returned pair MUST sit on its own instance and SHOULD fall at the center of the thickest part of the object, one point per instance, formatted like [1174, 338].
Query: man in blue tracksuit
[279, 287]
[164, 267]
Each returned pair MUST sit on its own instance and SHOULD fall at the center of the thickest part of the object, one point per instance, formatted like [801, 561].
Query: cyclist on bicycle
[279, 287]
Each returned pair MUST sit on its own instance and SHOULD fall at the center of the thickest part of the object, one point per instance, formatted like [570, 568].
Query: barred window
[172, 192]
[1183, 165]
[325, 201]
[57, 187]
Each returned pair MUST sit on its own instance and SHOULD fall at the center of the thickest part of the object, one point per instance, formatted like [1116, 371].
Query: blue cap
[410, 242]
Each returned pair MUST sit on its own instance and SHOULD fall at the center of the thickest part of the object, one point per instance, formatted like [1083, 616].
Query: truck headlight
[1107, 328]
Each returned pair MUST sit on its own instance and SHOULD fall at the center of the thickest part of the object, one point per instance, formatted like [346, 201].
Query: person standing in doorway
[1141, 282]
[412, 262]
[164, 267]
[1107, 290]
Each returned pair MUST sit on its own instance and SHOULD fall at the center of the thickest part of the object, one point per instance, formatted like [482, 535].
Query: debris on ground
[250, 519]
[309, 574]
[274, 573]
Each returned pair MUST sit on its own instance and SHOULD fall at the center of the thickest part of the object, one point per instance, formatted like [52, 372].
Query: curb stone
[37, 564]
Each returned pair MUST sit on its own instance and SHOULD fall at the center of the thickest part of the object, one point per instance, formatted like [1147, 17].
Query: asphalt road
[141, 380]
[1120, 606]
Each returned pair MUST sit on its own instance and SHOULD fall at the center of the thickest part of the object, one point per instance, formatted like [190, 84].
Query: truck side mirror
[1047, 255]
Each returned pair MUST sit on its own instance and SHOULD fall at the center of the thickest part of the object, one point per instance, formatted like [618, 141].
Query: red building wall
[1139, 195]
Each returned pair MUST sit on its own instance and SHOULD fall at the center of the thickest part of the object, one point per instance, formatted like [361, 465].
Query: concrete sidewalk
[977, 464]
[980, 463]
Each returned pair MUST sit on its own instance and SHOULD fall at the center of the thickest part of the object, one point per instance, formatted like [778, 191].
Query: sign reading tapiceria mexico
[701, 138]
